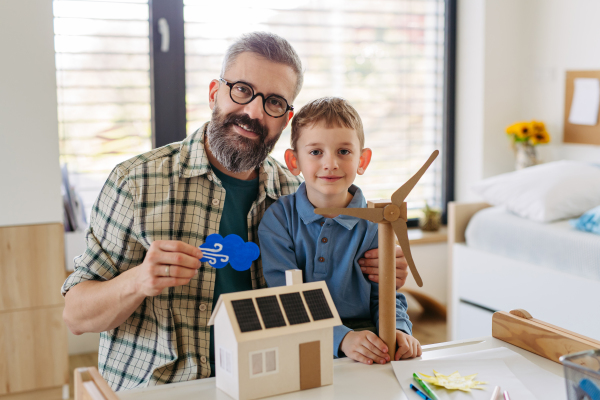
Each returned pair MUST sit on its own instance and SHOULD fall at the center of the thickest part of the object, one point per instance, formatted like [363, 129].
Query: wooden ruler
[520, 329]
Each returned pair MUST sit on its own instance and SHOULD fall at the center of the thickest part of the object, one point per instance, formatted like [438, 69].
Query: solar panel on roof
[317, 304]
[245, 313]
[294, 308]
[270, 311]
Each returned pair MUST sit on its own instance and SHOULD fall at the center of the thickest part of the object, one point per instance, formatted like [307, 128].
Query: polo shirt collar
[307, 211]
[194, 162]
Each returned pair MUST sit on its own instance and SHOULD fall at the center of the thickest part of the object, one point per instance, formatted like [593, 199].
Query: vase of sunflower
[525, 136]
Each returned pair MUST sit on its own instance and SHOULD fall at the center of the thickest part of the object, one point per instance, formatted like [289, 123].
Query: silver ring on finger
[168, 270]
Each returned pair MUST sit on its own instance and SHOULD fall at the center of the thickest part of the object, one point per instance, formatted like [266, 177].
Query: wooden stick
[387, 287]
[538, 337]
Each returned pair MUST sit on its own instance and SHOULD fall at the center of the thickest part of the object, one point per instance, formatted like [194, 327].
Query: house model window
[225, 360]
[263, 362]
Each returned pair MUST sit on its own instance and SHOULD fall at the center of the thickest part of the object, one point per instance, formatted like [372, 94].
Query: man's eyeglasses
[242, 93]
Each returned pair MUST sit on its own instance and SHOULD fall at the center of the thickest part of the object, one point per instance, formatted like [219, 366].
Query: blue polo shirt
[292, 236]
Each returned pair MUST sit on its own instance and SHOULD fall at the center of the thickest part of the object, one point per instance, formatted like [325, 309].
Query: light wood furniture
[482, 282]
[33, 337]
[89, 385]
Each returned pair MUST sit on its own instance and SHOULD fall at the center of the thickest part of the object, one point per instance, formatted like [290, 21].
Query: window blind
[103, 87]
[385, 56]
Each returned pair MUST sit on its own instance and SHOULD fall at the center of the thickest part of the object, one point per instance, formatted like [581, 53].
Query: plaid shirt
[168, 193]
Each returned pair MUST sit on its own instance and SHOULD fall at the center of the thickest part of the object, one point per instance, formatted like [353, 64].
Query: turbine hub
[391, 212]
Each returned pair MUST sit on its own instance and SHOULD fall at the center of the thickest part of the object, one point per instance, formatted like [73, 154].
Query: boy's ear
[292, 162]
[365, 159]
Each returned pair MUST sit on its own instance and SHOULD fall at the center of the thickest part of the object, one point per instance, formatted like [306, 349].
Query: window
[386, 57]
[225, 360]
[263, 362]
[103, 87]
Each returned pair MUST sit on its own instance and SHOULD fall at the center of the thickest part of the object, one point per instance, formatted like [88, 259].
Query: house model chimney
[293, 277]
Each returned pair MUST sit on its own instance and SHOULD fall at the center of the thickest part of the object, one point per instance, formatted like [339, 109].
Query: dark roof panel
[294, 308]
[245, 313]
[270, 311]
[317, 304]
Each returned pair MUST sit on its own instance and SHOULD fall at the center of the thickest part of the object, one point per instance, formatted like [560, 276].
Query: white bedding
[553, 245]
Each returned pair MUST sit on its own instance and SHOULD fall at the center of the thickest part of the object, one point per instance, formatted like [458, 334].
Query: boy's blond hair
[335, 111]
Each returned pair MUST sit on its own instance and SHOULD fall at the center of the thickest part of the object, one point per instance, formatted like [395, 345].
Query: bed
[499, 261]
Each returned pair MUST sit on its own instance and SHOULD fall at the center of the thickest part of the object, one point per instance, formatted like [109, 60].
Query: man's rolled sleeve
[111, 245]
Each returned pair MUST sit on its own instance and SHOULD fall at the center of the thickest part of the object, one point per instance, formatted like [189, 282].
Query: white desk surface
[352, 380]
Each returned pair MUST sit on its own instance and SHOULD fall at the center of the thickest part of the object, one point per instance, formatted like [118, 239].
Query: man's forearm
[95, 306]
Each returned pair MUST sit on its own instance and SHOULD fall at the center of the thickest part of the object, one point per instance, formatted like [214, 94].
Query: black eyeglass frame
[255, 95]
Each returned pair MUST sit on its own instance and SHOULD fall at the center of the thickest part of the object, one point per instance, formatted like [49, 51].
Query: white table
[352, 380]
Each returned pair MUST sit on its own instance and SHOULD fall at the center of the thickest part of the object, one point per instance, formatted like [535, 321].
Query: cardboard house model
[276, 340]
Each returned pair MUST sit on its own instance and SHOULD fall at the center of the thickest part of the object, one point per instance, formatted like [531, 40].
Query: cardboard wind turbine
[391, 218]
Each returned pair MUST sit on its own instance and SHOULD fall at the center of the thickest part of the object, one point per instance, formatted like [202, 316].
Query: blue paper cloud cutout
[232, 249]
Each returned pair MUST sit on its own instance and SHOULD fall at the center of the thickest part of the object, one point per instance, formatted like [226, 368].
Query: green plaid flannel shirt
[168, 193]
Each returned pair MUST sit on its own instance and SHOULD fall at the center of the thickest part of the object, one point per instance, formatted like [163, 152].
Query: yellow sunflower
[539, 137]
[521, 130]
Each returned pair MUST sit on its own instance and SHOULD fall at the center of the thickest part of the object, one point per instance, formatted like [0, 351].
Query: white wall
[511, 62]
[29, 165]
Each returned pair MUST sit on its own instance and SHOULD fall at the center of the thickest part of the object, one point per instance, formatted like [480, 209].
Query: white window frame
[223, 352]
[263, 354]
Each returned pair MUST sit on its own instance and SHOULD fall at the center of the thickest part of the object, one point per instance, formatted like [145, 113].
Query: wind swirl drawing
[218, 252]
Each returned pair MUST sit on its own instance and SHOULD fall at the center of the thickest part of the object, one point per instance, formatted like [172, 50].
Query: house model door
[310, 365]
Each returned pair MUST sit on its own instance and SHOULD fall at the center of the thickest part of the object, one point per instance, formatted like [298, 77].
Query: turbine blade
[401, 231]
[401, 194]
[370, 214]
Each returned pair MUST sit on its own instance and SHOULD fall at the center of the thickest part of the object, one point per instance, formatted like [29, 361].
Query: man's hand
[167, 263]
[365, 347]
[408, 346]
[370, 266]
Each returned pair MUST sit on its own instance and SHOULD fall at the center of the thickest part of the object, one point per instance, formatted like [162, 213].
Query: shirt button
[321, 259]
[215, 202]
[324, 240]
[203, 359]
[203, 307]
[210, 177]
[322, 222]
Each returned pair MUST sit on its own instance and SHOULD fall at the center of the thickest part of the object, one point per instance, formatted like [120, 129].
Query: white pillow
[546, 192]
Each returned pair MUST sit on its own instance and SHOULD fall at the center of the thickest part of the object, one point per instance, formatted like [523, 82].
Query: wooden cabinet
[33, 336]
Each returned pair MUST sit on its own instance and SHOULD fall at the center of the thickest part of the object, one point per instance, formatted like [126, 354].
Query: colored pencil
[425, 387]
[423, 395]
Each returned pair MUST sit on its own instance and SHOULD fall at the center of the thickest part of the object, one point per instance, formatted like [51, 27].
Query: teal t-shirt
[238, 201]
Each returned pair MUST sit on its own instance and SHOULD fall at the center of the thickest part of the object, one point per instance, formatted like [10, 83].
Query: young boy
[328, 148]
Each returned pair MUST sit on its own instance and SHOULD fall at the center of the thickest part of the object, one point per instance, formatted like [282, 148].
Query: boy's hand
[365, 347]
[370, 266]
[408, 346]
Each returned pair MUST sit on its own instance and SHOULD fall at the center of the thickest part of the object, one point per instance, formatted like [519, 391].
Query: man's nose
[255, 109]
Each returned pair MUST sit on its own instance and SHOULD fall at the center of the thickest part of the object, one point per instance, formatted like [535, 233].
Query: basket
[582, 375]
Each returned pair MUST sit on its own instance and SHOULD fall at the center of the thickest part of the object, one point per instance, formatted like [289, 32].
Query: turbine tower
[391, 218]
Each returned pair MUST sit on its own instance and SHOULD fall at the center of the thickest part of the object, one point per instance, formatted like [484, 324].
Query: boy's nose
[255, 109]
[330, 162]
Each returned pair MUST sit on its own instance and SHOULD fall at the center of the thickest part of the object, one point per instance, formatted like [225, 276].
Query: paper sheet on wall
[499, 367]
[586, 101]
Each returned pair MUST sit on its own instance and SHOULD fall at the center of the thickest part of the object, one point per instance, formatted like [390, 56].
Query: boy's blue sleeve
[276, 245]
[402, 321]
[278, 255]
[339, 333]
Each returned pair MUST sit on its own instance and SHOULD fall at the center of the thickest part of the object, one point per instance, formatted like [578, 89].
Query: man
[140, 282]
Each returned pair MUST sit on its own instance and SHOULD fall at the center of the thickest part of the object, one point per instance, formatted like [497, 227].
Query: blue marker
[590, 389]
[423, 395]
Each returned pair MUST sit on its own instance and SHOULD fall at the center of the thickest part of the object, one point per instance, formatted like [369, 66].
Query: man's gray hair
[269, 46]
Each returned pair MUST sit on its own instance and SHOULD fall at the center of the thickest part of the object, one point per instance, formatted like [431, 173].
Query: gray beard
[233, 151]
